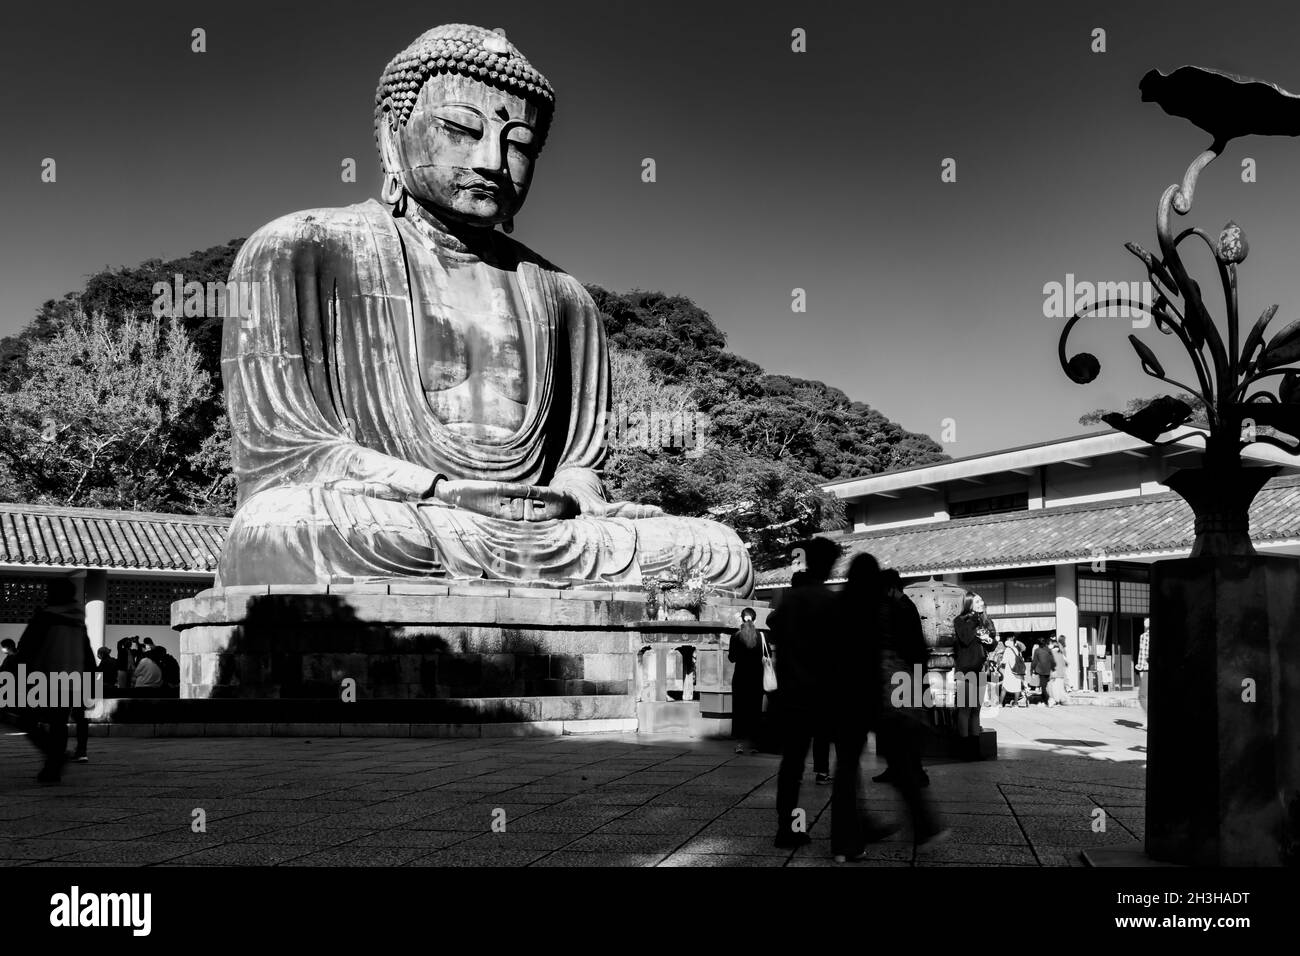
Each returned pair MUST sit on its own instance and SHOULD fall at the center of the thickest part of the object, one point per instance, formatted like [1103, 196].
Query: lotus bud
[1233, 247]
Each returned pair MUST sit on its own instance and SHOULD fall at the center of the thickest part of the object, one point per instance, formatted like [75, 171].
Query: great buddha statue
[415, 394]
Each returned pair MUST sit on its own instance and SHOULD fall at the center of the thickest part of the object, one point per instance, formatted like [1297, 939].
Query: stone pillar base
[1223, 728]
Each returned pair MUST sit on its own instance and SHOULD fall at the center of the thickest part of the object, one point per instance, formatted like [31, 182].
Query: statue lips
[483, 186]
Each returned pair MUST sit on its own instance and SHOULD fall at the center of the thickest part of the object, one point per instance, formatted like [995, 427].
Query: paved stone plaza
[601, 800]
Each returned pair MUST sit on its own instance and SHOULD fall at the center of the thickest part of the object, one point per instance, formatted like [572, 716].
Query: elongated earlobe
[394, 194]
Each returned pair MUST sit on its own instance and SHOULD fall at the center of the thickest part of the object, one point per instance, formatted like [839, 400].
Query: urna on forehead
[459, 49]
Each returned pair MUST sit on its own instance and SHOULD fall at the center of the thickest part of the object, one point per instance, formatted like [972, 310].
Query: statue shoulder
[323, 228]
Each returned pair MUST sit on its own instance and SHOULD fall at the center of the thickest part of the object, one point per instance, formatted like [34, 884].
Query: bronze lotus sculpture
[416, 394]
[1223, 740]
[1238, 409]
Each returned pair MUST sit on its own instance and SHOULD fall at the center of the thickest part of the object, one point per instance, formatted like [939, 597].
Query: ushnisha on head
[460, 117]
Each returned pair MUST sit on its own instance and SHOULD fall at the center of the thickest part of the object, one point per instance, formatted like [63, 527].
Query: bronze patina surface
[414, 393]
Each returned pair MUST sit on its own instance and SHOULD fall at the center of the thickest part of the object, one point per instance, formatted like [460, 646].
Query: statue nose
[491, 155]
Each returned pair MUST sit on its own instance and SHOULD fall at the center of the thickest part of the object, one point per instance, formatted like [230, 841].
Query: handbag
[769, 672]
[1011, 683]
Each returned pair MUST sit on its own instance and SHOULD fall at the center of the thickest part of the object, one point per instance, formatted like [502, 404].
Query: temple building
[1057, 537]
[129, 565]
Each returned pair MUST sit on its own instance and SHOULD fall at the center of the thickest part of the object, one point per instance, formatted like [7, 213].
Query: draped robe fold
[335, 442]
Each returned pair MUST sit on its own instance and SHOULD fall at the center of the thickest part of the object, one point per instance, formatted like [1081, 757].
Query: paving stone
[516, 840]
[718, 859]
[650, 826]
[568, 858]
[990, 854]
[309, 835]
[609, 798]
[603, 842]
[460, 855]
[734, 845]
[241, 854]
[38, 826]
[355, 854]
[44, 849]
[128, 853]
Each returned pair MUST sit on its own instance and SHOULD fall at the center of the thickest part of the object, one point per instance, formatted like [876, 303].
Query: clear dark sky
[776, 170]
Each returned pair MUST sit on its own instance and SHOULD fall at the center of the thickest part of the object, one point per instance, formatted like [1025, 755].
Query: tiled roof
[1146, 526]
[94, 538]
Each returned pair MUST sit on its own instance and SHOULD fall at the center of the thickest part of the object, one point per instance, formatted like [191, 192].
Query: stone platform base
[466, 717]
[433, 647]
[682, 718]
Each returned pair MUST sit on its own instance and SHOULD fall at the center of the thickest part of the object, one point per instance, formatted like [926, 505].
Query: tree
[1137, 404]
[125, 292]
[114, 414]
[739, 473]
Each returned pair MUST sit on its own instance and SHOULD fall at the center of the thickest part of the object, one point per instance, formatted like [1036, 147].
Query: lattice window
[1096, 595]
[20, 598]
[1134, 597]
[146, 601]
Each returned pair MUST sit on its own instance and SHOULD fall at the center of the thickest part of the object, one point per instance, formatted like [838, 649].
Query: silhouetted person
[821, 745]
[825, 679]
[108, 669]
[901, 640]
[125, 665]
[745, 651]
[55, 642]
[171, 668]
[903, 650]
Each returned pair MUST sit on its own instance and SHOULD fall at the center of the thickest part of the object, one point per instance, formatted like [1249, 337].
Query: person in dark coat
[857, 698]
[55, 642]
[126, 660]
[821, 745]
[1042, 664]
[901, 648]
[108, 669]
[745, 651]
[974, 635]
[803, 627]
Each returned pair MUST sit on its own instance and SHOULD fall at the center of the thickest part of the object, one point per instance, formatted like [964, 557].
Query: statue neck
[449, 233]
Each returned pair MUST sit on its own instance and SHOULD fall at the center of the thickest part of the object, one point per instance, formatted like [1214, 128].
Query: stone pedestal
[399, 640]
[1223, 760]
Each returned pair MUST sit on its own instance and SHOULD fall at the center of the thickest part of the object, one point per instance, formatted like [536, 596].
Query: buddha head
[460, 117]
